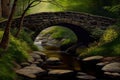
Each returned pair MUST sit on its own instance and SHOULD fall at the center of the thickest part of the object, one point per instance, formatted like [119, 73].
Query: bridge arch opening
[83, 35]
[56, 36]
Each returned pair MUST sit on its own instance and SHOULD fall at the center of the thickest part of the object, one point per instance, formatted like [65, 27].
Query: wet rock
[53, 61]
[35, 56]
[85, 76]
[36, 62]
[101, 64]
[24, 64]
[40, 60]
[81, 73]
[111, 59]
[31, 71]
[93, 58]
[30, 60]
[112, 74]
[42, 55]
[112, 67]
[61, 73]
[51, 44]
[89, 63]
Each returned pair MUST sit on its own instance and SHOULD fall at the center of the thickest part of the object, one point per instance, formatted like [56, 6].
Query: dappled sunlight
[45, 7]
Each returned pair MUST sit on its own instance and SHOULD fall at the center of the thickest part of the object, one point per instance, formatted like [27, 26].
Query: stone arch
[84, 22]
[82, 34]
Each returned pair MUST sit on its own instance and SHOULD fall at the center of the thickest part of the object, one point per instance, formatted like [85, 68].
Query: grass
[109, 44]
[17, 52]
[25, 36]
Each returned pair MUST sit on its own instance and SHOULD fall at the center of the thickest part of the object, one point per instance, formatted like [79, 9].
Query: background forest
[18, 41]
[109, 8]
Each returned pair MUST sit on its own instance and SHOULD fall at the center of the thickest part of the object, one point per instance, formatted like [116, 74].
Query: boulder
[81, 73]
[89, 63]
[112, 67]
[40, 60]
[112, 74]
[42, 55]
[111, 59]
[85, 76]
[24, 64]
[31, 71]
[93, 58]
[53, 61]
[101, 64]
[35, 56]
[61, 73]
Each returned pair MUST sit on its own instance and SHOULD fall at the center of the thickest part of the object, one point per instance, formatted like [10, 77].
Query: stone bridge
[82, 24]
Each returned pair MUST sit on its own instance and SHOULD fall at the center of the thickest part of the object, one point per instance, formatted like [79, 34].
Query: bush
[110, 35]
[6, 68]
[17, 52]
[25, 36]
[108, 45]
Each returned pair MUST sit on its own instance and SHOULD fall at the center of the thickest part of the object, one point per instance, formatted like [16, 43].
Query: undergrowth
[108, 45]
[17, 52]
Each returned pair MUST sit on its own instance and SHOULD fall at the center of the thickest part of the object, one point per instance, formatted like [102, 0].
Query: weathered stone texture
[40, 21]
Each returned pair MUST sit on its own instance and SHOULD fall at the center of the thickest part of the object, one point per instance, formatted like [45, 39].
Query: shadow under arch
[83, 35]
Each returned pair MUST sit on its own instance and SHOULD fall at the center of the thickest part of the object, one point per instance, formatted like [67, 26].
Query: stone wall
[75, 18]
[79, 21]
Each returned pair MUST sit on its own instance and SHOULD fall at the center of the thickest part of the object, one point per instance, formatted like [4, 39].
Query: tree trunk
[22, 18]
[0, 10]
[5, 39]
[5, 8]
[21, 22]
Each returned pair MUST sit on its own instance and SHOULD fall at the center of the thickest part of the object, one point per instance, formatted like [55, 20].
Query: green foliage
[25, 36]
[108, 46]
[109, 8]
[18, 49]
[89, 6]
[17, 52]
[6, 68]
[114, 8]
[109, 35]
[97, 32]
[60, 33]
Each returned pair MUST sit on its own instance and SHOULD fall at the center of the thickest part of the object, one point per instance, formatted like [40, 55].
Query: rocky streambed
[41, 67]
[58, 61]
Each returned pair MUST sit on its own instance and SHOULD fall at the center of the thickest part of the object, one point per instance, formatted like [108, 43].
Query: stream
[53, 64]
